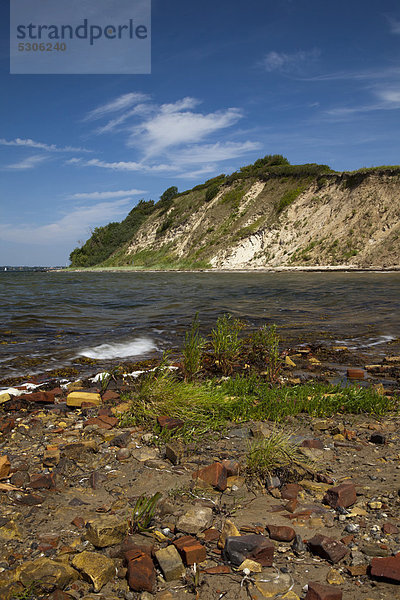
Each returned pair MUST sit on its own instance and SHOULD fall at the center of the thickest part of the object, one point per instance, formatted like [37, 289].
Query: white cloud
[28, 143]
[394, 25]
[106, 195]
[212, 153]
[175, 125]
[69, 227]
[282, 61]
[385, 99]
[120, 103]
[140, 109]
[28, 163]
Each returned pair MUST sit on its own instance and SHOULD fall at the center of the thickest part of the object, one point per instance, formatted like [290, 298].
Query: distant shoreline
[283, 269]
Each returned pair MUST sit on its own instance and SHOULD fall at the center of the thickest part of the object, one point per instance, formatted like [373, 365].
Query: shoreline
[281, 269]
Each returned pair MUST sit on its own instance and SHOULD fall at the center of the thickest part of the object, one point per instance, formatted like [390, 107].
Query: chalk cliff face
[280, 220]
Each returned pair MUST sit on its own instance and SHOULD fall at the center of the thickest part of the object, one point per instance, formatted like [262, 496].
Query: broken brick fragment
[328, 548]
[215, 475]
[141, 572]
[169, 423]
[318, 591]
[190, 549]
[342, 495]
[386, 568]
[281, 533]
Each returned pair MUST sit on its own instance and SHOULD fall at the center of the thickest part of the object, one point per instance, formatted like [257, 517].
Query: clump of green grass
[225, 342]
[264, 351]
[276, 452]
[143, 512]
[192, 351]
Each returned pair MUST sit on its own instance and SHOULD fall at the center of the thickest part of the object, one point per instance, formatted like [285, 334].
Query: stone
[196, 519]
[9, 531]
[174, 451]
[43, 481]
[121, 440]
[328, 548]
[138, 543]
[342, 495]
[170, 563]
[251, 565]
[390, 529]
[29, 499]
[51, 456]
[298, 546]
[141, 573]
[228, 530]
[170, 423]
[123, 454]
[4, 397]
[5, 467]
[106, 531]
[76, 399]
[387, 568]
[333, 577]
[281, 533]
[40, 397]
[317, 591]
[232, 467]
[191, 550]
[79, 450]
[218, 570]
[261, 430]
[357, 570]
[355, 373]
[255, 547]
[290, 491]
[79, 522]
[215, 475]
[289, 362]
[291, 505]
[50, 573]
[312, 443]
[273, 585]
[99, 568]
[378, 438]
[143, 454]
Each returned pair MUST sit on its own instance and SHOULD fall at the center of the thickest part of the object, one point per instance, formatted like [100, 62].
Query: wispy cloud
[382, 99]
[394, 24]
[28, 163]
[106, 195]
[67, 228]
[287, 62]
[28, 143]
[121, 103]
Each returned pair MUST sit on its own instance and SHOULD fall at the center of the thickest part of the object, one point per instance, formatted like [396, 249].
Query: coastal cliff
[270, 214]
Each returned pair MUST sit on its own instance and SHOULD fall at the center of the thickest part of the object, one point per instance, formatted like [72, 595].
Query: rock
[170, 563]
[51, 456]
[123, 454]
[9, 531]
[291, 505]
[387, 568]
[317, 591]
[357, 570]
[106, 531]
[190, 549]
[121, 440]
[355, 374]
[215, 475]
[137, 543]
[79, 450]
[102, 421]
[43, 481]
[281, 533]
[276, 586]
[378, 438]
[218, 570]
[196, 519]
[327, 548]
[298, 546]
[5, 467]
[261, 430]
[143, 454]
[170, 423]
[390, 529]
[76, 399]
[41, 397]
[141, 573]
[228, 530]
[251, 565]
[289, 362]
[290, 491]
[50, 573]
[4, 397]
[312, 443]
[232, 467]
[174, 451]
[334, 577]
[343, 495]
[255, 547]
[272, 482]
[99, 568]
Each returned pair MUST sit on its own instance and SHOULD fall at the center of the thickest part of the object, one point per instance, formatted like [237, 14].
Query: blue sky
[230, 82]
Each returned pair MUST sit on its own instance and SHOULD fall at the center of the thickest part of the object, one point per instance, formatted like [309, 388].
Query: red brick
[141, 573]
[79, 522]
[328, 548]
[232, 467]
[388, 567]
[290, 491]
[317, 591]
[43, 481]
[110, 395]
[342, 495]
[212, 534]
[169, 423]
[291, 505]
[41, 397]
[355, 373]
[281, 533]
[219, 570]
[214, 475]
[190, 549]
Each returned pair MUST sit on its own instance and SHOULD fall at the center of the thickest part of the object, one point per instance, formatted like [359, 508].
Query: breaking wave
[123, 350]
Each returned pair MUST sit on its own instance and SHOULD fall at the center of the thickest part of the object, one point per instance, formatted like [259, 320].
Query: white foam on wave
[356, 344]
[123, 350]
